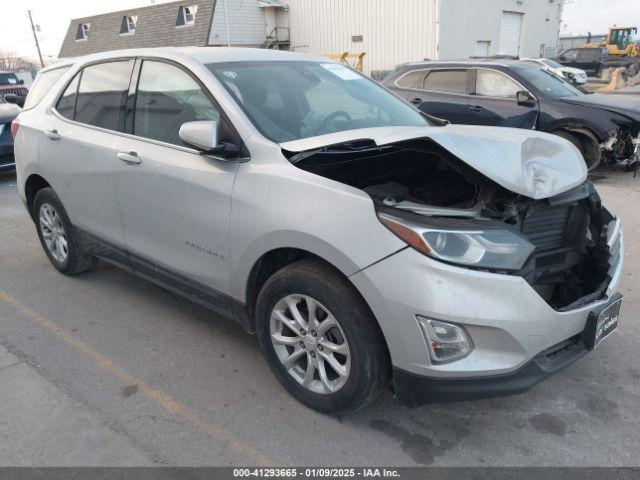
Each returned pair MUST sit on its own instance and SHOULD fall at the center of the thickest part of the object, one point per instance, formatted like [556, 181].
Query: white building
[388, 32]
[397, 31]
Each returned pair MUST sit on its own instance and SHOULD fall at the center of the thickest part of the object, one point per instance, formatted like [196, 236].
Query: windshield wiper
[361, 145]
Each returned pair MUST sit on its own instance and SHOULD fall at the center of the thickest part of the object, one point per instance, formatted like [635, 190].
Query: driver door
[175, 202]
[494, 102]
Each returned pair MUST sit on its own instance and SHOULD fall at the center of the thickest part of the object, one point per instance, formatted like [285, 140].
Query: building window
[128, 26]
[82, 33]
[482, 48]
[186, 16]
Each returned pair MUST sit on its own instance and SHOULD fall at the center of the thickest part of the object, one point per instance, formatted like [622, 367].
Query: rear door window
[102, 95]
[41, 86]
[447, 81]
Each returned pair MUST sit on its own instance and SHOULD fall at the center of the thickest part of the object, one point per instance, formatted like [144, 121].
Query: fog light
[446, 342]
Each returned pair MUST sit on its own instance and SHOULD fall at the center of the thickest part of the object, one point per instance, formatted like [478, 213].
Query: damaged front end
[563, 245]
[622, 148]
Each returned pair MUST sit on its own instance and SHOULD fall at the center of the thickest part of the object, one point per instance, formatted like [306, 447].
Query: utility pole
[226, 21]
[36, 39]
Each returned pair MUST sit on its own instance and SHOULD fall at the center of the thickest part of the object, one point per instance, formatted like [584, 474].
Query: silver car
[358, 238]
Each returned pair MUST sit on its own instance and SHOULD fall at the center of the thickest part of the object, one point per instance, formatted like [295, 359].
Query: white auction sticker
[345, 73]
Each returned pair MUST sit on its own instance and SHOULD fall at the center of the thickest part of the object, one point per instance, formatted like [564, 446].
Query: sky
[53, 16]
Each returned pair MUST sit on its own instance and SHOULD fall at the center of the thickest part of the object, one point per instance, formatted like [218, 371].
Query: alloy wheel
[310, 344]
[53, 233]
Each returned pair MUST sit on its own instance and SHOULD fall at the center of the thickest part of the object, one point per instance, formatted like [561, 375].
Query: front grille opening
[572, 263]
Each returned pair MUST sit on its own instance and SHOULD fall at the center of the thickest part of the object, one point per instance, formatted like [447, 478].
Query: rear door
[175, 202]
[441, 92]
[78, 148]
[494, 101]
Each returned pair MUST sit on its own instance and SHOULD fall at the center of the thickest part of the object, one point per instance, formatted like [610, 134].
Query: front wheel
[320, 339]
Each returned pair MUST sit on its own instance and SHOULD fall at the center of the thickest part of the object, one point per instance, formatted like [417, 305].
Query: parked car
[592, 60]
[518, 94]
[356, 236]
[11, 84]
[573, 75]
[8, 112]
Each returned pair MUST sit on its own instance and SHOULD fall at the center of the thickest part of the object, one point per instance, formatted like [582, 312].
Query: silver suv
[359, 238]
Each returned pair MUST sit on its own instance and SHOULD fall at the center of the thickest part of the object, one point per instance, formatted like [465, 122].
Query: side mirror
[524, 97]
[21, 81]
[201, 135]
[562, 58]
[11, 98]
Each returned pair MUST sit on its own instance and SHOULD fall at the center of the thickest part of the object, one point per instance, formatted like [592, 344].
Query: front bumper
[511, 326]
[415, 390]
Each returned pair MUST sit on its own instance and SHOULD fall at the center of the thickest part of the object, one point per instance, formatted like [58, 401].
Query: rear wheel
[57, 235]
[320, 338]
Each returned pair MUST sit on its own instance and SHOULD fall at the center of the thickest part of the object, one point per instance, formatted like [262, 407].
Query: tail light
[14, 128]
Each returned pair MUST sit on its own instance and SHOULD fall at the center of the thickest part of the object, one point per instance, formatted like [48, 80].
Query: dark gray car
[8, 112]
[517, 94]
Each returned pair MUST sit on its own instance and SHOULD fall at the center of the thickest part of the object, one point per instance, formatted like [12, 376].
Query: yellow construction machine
[621, 42]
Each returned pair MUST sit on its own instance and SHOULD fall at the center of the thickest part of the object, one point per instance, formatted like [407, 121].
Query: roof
[506, 63]
[157, 26]
[199, 54]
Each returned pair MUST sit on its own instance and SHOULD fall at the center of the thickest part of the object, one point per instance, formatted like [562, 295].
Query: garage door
[510, 30]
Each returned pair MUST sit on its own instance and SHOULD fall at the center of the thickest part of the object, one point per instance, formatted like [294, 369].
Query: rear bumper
[415, 390]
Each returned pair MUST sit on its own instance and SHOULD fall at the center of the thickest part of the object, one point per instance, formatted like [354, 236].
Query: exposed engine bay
[623, 148]
[570, 263]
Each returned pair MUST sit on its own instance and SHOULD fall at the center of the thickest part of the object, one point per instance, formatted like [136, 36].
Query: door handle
[131, 158]
[52, 134]
[416, 101]
[475, 108]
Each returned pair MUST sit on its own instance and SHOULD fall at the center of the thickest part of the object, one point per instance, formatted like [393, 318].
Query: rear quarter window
[42, 85]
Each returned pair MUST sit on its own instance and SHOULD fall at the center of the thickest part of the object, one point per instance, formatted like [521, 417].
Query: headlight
[487, 246]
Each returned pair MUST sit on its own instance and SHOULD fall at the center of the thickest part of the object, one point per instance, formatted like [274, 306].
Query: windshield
[550, 83]
[551, 63]
[8, 79]
[300, 99]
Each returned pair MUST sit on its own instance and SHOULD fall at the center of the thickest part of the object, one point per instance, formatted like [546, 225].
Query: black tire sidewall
[47, 195]
[368, 355]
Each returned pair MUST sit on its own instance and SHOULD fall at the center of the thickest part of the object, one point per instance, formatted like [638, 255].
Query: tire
[579, 145]
[48, 211]
[368, 359]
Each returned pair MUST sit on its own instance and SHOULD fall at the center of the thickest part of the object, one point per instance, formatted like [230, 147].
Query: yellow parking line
[249, 454]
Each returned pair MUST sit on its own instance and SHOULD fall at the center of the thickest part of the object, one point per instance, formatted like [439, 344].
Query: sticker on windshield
[230, 74]
[345, 73]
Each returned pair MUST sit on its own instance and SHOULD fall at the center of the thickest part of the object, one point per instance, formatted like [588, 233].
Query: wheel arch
[278, 258]
[270, 260]
[588, 138]
[32, 186]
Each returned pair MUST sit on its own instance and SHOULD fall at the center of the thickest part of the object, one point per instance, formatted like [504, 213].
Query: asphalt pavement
[108, 369]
